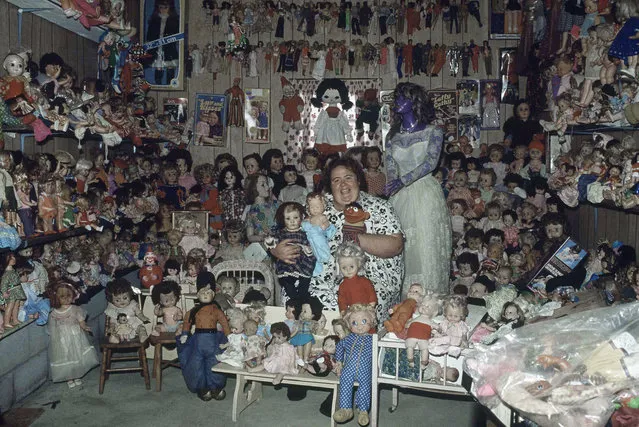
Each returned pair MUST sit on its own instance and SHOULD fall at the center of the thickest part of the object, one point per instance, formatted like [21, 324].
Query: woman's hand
[286, 251]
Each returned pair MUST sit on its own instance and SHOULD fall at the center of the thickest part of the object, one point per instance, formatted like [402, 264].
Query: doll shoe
[71, 383]
[343, 415]
[205, 395]
[362, 418]
[218, 395]
[78, 382]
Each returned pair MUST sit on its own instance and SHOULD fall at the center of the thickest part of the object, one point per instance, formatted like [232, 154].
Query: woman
[412, 153]
[383, 240]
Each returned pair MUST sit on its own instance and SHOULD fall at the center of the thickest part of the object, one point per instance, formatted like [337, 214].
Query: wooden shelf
[69, 134]
[53, 237]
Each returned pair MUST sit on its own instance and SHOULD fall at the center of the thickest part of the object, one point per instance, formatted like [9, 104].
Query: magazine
[445, 104]
[176, 109]
[210, 120]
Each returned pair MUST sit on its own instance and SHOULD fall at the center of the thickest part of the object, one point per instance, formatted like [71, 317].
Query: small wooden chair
[107, 358]
[158, 342]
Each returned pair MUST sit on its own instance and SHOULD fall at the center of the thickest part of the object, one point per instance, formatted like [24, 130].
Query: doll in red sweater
[354, 289]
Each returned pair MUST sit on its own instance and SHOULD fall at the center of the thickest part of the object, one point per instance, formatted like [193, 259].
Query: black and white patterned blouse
[385, 273]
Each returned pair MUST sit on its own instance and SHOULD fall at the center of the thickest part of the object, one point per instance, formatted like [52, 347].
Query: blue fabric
[197, 356]
[356, 354]
[318, 239]
[34, 305]
[582, 186]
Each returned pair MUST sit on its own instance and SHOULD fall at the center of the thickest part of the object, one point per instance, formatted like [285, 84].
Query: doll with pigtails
[332, 129]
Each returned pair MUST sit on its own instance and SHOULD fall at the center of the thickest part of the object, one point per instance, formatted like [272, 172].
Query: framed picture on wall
[509, 76]
[162, 35]
[257, 116]
[490, 94]
[192, 223]
[505, 19]
[210, 120]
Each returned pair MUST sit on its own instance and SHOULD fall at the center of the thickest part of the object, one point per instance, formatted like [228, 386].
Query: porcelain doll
[451, 334]
[492, 218]
[402, 312]
[467, 265]
[71, 355]
[234, 351]
[231, 194]
[234, 242]
[354, 356]
[295, 189]
[460, 190]
[198, 349]
[281, 356]
[188, 277]
[318, 230]
[354, 288]
[307, 314]
[171, 271]
[496, 155]
[420, 328]
[332, 130]
[121, 300]
[228, 292]
[322, 364]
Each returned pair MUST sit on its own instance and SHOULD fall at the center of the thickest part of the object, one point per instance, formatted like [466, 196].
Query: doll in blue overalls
[354, 355]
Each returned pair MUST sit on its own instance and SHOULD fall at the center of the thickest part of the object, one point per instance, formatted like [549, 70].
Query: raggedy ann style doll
[332, 129]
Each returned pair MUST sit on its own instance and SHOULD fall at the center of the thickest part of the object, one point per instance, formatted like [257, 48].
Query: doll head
[554, 226]
[174, 237]
[290, 175]
[188, 225]
[504, 276]
[495, 251]
[62, 293]
[474, 239]
[538, 186]
[440, 175]
[291, 308]
[372, 158]
[456, 161]
[481, 287]
[170, 174]
[14, 65]
[528, 212]
[182, 159]
[495, 152]
[411, 98]
[512, 312]
[122, 318]
[494, 235]
[431, 305]
[493, 211]
[193, 267]
[231, 178]
[236, 320]
[204, 174]
[167, 294]
[257, 187]
[516, 259]
[457, 207]
[467, 264]
[513, 181]
[171, 267]
[289, 216]
[223, 160]
[536, 150]
[280, 332]
[472, 163]
[205, 285]
[228, 285]
[315, 204]
[235, 232]
[360, 318]
[250, 327]
[350, 259]
[329, 344]
[273, 160]
[416, 292]
[256, 312]
[311, 159]
[509, 217]
[251, 163]
[340, 327]
[119, 293]
[455, 309]
[331, 92]
[460, 180]
[487, 178]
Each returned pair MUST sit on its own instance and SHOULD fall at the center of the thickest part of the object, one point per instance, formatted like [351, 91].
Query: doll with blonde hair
[191, 238]
[354, 289]
[235, 348]
[420, 328]
[451, 335]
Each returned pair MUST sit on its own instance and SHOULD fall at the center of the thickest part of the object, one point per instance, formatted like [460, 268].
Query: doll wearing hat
[291, 106]
[198, 348]
[535, 166]
[151, 273]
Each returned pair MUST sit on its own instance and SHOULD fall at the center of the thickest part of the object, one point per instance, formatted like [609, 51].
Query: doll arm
[138, 313]
[157, 310]
[85, 327]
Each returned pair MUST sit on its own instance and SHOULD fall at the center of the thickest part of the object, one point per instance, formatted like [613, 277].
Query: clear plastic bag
[561, 372]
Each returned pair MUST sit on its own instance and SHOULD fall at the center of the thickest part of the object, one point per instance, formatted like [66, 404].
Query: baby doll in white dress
[235, 350]
[192, 235]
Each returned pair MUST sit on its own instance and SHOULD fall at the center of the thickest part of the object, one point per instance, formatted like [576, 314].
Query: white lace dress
[421, 208]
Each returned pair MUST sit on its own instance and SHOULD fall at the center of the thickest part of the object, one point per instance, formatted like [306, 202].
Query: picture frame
[209, 126]
[468, 97]
[257, 116]
[502, 16]
[164, 42]
[201, 219]
[508, 75]
[490, 100]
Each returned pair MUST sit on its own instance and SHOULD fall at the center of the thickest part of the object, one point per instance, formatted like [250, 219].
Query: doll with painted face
[451, 334]
[354, 355]
[150, 273]
[231, 194]
[121, 300]
[308, 312]
[227, 289]
[14, 90]
[332, 129]
[200, 340]
[192, 238]
[402, 312]
[468, 266]
[354, 289]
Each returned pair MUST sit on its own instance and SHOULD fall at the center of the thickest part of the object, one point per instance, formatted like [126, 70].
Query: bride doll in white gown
[413, 148]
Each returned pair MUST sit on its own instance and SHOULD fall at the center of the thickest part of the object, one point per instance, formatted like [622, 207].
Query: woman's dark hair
[221, 185]
[165, 287]
[281, 211]
[180, 153]
[251, 187]
[268, 156]
[281, 328]
[422, 104]
[117, 287]
[350, 164]
[327, 84]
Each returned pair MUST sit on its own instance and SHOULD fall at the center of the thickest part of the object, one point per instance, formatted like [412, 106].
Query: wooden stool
[158, 341]
[107, 358]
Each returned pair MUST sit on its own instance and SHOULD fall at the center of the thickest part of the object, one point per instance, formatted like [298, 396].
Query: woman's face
[344, 186]
[251, 166]
[212, 118]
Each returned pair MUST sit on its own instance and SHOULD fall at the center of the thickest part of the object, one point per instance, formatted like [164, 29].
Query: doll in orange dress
[402, 312]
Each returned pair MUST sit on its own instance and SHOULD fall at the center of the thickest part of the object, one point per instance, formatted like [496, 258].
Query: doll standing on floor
[354, 289]
[231, 194]
[281, 356]
[71, 354]
[318, 230]
[294, 278]
[12, 291]
[354, 355]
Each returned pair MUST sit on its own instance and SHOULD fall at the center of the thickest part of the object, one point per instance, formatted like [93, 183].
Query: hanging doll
[231, 194]
[369, 113]
[294, 278]
[354, 289]
[121, 300]
[14, 90]
[236, 104]
[332, 129]
[308, 312]
[318, 230]
[354, 355]
[198, 349]
[420, 328]
[281, 357]
[71, 354]
[451, 335]
[291, 106]
[235, 348]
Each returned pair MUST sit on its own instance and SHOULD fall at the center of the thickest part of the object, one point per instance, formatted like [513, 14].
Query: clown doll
[151, 273]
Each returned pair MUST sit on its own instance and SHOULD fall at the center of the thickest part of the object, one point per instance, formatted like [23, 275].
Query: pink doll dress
[451, 341]
[281, 359]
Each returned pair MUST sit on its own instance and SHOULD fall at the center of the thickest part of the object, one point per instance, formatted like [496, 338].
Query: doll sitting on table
[165, 297]
[451, 335]
[255, 347]
[323, 363]
[281, 356]
[354, 289]
[121, 300]
[420, 328]
[234, 350]
[402, 312]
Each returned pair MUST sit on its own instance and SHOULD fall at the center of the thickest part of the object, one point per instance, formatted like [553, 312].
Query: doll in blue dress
[307, 313]
[318, 230]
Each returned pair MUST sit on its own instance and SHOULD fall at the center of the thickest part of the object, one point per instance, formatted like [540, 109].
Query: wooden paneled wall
[201, 32]
[597, 223]
[42, 36]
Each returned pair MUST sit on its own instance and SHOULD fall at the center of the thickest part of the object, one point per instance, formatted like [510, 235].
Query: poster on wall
[210, 120]
[504, 18]
[176, 109]
[490, 104]
[509, 76]
[445, 104]
[469, 127]
[468, 97]
[257, 116]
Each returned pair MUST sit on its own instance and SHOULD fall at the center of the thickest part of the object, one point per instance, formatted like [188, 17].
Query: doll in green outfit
[12, 292]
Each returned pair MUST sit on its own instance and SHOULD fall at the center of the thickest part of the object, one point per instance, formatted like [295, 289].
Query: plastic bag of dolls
[568, 371]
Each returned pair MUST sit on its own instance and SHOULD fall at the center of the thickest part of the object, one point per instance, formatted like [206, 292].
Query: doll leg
[586, 93]
[410, 351]
[142, 333]
[306, 350]
[423, 352]
[564, 43]
[278, 379]
[8, 312]
[346, 381]
[288, 284]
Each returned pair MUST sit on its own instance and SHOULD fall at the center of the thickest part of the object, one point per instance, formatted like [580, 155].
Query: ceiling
[56, 16]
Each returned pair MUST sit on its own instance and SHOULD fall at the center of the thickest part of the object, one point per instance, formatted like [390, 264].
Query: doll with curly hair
[121, 300]
[451, 335]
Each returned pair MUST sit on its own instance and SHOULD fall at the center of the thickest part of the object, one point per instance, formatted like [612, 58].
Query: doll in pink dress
[281, 356]
[451, 335]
